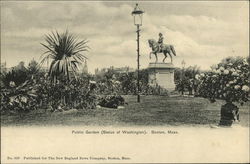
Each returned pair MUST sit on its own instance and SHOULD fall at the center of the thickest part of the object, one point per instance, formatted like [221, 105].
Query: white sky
[202, 32]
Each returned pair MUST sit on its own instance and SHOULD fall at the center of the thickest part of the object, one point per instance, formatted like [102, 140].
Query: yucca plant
[65, 52]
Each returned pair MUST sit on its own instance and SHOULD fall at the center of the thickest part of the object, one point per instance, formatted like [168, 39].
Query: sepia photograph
[125, 82]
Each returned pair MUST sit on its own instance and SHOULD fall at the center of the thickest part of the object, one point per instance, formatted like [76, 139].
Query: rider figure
[160, 41]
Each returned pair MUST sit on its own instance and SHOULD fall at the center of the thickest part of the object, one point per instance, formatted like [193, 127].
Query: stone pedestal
[162, 74]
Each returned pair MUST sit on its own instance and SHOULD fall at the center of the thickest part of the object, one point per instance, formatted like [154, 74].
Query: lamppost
[183, 63]
[182, 77]
[137, 13]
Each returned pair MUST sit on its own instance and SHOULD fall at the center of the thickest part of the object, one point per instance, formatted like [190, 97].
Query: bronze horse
[166, 49]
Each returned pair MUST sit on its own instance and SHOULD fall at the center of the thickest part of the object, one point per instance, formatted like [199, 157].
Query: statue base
[162, 74]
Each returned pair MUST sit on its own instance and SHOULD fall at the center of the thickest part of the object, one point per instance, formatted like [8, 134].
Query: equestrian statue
[159, 47]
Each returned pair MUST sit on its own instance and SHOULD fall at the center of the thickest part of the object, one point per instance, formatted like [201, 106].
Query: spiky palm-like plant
[66, 53]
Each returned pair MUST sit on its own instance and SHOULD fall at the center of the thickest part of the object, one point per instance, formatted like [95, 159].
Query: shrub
[16, 76]
[227, 81]
[42, 93]
[79, 94]
[111, 101]
[185, 79]
[22, 98]
[111, 82]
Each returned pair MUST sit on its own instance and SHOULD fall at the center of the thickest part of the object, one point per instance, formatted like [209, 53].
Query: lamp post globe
[137, 13]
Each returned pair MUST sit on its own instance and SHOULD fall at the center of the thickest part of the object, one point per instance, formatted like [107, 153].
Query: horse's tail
[172, 49]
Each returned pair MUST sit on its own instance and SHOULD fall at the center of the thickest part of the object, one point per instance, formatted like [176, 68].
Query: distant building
[125, 69]
[101, 71]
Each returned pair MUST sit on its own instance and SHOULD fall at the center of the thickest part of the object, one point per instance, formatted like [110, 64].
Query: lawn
[152, 111]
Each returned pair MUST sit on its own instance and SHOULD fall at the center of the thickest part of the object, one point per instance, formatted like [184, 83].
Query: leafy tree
[21, 66]
[33, 66]
[191, 71]
[185, 79]
[128, 83]
[228, 81]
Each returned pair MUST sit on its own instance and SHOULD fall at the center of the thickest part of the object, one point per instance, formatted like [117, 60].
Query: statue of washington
[160, 47]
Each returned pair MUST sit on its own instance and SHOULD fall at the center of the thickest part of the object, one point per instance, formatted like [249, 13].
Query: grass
[152, 111]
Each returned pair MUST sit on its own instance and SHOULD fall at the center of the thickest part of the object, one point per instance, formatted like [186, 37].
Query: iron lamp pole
[182, 76]
[138, 13]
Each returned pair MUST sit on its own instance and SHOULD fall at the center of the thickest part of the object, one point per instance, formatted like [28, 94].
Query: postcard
[124, 82]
